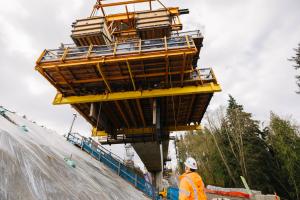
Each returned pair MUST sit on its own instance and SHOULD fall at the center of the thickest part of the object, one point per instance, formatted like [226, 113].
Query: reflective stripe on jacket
[191, 187]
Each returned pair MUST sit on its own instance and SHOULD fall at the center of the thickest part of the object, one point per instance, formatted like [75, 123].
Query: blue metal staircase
[112, 161]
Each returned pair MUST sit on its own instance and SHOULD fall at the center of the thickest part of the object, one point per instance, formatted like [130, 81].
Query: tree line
[233, 144]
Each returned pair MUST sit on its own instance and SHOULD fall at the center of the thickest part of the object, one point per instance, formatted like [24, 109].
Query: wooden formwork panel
[90, 31]
[155, 32]
[152, 18]
[154, 24]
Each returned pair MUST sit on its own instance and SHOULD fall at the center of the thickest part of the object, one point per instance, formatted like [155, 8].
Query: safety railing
[204, 74]
[134, 46]
[112, 161]
[77, 139]
[193, 33]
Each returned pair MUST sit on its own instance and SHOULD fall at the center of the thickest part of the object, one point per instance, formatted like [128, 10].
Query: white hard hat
[191, 163]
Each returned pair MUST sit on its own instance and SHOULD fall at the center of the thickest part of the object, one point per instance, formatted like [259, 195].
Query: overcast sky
[247, 42]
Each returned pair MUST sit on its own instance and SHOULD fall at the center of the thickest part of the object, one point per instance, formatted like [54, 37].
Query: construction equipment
[163, 194]
[133, 76]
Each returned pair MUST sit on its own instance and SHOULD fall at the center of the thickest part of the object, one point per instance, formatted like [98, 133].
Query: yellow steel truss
[130, 15]
[113, 59]
[114, 96]
[147, 130]
[121, 3]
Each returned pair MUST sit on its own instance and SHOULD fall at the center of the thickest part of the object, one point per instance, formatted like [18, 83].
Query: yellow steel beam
[96, 133]
[119, 17]
[121, 3]
[183, 68]
[114, 59]
[89, 51]
[131, 15]
[147, 130]
[167, 69]
[187, 90]
[41, 57]
[163, 5]
[131, 76]
[65, 54]
[103, 77]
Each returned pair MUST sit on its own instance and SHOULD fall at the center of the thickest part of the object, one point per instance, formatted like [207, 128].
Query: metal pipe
[74, 117]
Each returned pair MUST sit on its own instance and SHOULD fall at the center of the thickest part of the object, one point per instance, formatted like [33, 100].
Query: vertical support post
[158, 120]
[154, 112]
[92, 110]
[187, 39]
[158, 135]
[89, 52]
[166, 43]
[119, 168]
[135, 180]
[161, 156]
[115, 48]
[92, 150]
[140, 46]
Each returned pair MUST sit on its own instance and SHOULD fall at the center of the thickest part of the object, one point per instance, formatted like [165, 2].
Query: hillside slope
[32, 166]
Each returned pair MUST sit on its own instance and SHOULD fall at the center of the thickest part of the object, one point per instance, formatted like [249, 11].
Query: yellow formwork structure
[115, 96]
[114, 85]
[148, 130]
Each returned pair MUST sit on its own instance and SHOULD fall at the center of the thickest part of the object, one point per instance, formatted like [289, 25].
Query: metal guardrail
[204, 74]
[114, 162]
[193, 33]
[129, 47]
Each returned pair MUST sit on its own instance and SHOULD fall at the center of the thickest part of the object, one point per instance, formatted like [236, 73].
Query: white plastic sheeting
[32, 166]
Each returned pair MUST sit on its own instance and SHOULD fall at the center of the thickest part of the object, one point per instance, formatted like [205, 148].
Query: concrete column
[157, 122]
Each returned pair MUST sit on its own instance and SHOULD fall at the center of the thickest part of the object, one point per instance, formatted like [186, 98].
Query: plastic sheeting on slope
[32, 166]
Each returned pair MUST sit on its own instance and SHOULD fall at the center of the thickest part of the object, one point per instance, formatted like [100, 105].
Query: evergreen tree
[233, 144]
[244, 143]
[285, 143]
[296, 60]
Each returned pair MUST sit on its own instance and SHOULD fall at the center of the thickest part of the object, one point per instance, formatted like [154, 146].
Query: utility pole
[74, 118]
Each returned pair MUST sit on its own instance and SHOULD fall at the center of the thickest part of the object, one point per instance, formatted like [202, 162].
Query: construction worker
[191, 185]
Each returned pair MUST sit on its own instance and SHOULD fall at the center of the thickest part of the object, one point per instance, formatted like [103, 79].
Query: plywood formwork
[90, 31]
[154, 24]
[147, 24]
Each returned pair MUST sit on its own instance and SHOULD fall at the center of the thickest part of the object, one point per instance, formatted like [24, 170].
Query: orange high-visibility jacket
[191, 187]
